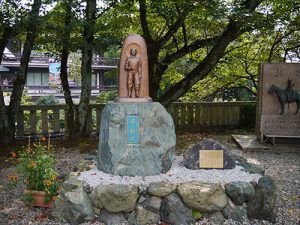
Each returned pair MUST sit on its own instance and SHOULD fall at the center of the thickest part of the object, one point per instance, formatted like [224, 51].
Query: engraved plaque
[132, 129]
[281, 125]
[211, 159]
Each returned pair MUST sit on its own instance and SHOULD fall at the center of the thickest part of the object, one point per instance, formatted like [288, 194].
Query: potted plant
[36, 168]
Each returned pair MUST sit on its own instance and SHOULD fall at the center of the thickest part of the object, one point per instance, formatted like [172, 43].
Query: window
[37, 79]
[45, 79]
[30, 79]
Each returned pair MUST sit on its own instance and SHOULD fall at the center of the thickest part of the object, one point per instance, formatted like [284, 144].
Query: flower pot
[39, 199]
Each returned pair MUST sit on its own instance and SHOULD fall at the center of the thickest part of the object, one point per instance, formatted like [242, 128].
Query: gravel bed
[176, 175]
[283, 167]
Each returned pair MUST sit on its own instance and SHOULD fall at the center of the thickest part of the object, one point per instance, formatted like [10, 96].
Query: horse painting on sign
[286, 96]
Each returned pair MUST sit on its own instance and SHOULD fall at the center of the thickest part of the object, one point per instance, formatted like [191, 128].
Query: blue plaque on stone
[132, 129]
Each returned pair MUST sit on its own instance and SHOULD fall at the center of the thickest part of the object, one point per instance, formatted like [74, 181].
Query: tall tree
[60, 36]
[244, 17]
[71, 123]
[86, 66]
[216, 44]
[196, 34]
[8, 129]
[5, 32]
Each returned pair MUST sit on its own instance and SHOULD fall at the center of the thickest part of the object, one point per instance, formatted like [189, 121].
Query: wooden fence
[34, 119]
[205, 115]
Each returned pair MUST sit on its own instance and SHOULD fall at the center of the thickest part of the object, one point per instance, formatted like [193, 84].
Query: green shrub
[26, 99]
[106, 96]
[36, 169]
[47, 100]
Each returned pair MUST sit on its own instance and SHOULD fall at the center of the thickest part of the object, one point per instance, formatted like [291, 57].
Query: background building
[40, 82]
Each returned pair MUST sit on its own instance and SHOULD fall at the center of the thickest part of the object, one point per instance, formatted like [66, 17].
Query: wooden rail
[40, 119]
[34, 119]
[202, 115]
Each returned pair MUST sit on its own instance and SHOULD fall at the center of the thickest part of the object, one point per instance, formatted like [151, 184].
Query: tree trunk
[71, 125]
[86, 68]
[4, 125]
[153, 52]
[19, 83]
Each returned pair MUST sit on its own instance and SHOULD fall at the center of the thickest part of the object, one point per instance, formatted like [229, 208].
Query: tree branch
[143, 19]
[173, 28]
[184, 34]
[289, 49]
[200, 71]
[276, 42]
[187, 49]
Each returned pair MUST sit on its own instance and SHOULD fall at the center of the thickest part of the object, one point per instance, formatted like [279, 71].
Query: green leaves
[37, 170]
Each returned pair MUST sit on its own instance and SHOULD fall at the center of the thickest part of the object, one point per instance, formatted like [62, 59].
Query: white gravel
[177, 174]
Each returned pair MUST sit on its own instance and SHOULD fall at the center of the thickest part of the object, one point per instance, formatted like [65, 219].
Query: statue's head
[133, 51]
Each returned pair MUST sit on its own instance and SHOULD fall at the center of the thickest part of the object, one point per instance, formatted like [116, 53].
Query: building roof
[11, 60]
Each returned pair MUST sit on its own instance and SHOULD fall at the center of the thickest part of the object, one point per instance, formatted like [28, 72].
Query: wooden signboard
[211, 159]
[274, 119]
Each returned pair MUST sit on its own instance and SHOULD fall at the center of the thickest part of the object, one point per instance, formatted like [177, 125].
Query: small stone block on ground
[251, 143]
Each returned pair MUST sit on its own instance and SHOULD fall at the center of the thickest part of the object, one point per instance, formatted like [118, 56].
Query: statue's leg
[137, 85]
[282, 107]
[129, 84]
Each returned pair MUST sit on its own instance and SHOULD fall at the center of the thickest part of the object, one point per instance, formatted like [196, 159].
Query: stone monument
[278, 101]
[137, 136]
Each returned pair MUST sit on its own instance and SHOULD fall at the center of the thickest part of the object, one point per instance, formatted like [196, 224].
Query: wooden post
[190, 114]
[204, 115]
[44, 121]
[56, 121]
[33, 122]
[183, 114]
[176, 114]
[237, 115]
[197, 113]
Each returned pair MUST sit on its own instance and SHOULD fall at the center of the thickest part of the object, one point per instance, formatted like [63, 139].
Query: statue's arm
[127, 65]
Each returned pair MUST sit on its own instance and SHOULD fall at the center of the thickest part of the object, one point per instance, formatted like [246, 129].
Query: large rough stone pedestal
[152, 154]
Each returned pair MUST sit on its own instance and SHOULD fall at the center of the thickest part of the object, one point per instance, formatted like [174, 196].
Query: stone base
[166, 202]
[139, 100]
[153, 152]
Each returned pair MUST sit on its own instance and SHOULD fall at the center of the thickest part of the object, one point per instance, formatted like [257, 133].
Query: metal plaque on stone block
[211, 159]
[132, 129]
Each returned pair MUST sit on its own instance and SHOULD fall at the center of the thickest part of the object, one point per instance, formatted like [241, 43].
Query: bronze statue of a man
[134, 67]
